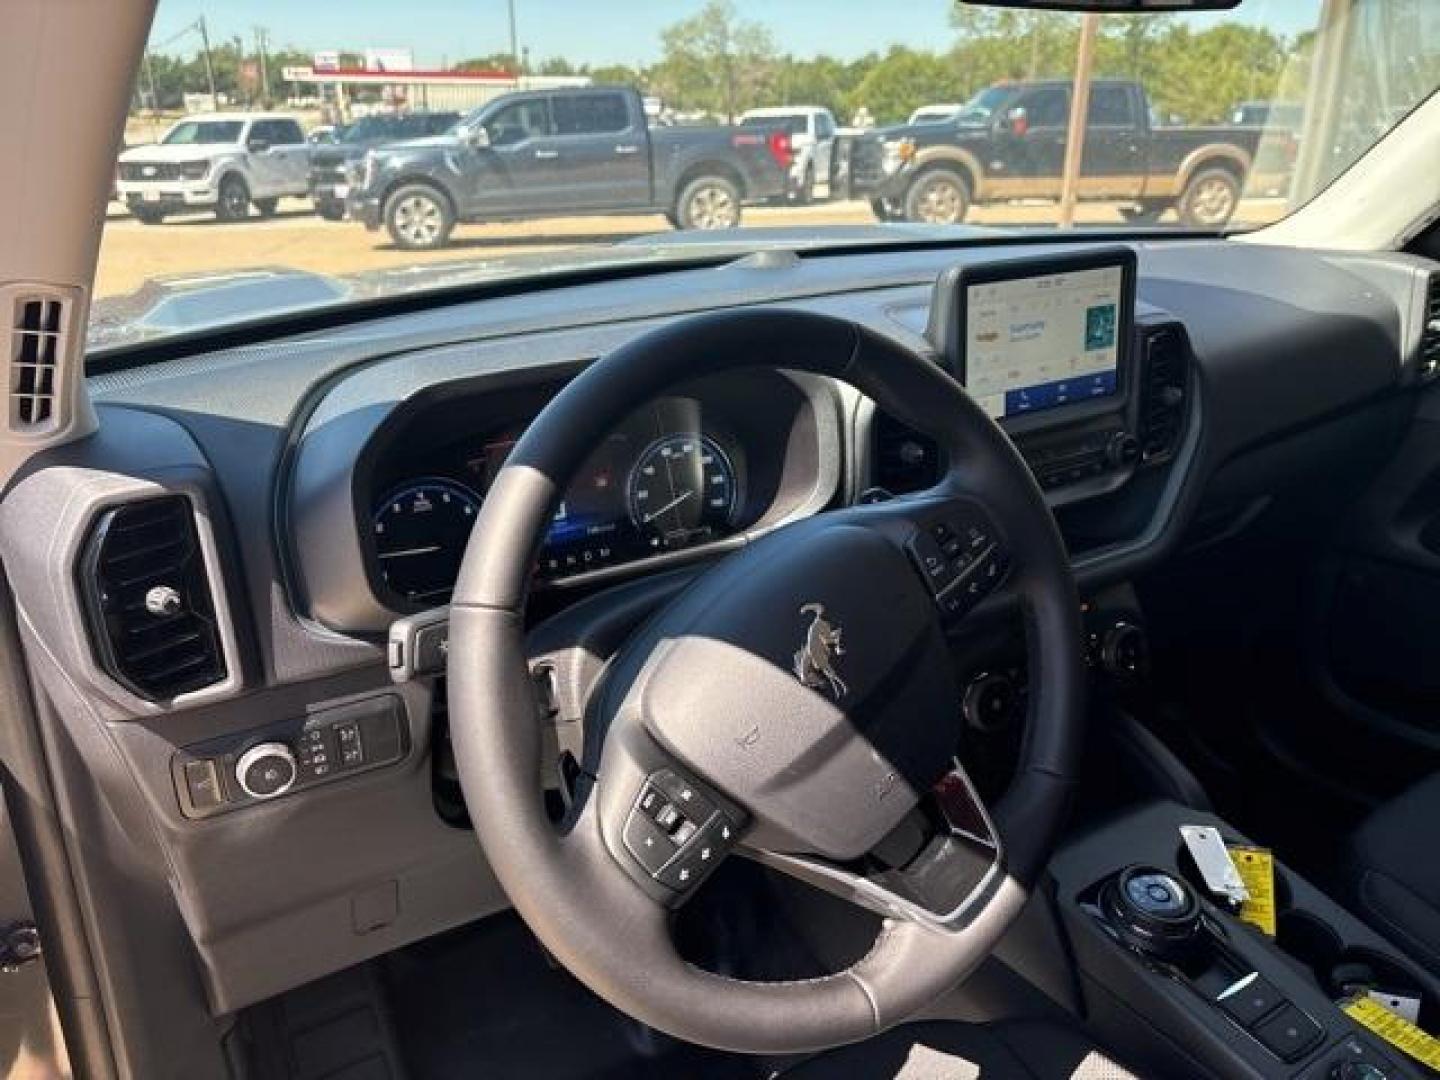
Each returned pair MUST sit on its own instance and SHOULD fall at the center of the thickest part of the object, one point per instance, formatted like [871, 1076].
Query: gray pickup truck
[562, 153]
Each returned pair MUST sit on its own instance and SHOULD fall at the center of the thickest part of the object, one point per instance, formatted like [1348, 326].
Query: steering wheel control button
[960, 558]
[686, 797]
[1288, 1034]
[267, 770]
[648, 843]
[1250, 1000]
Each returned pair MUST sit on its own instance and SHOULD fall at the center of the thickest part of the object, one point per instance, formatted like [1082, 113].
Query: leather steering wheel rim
[570, 888]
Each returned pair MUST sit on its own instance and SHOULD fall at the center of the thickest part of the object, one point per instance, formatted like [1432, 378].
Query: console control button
[266, 771]
[1288, 1034]
[1250, 1000]
[202, 779]
[347, 739]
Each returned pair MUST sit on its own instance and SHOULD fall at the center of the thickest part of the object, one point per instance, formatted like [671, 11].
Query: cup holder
[1341, 971]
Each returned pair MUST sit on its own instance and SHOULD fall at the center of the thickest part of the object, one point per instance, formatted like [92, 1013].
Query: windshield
[791, 123]
[583, 124]
[204, 132]
[980, 107]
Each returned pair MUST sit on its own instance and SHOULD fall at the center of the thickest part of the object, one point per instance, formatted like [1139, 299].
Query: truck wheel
[1210, 198]
[418, 217]
[885, 210]
[266, 206]
[805, 195]
[234, 202]
[709, 202]
[147, 216]
[938, 197]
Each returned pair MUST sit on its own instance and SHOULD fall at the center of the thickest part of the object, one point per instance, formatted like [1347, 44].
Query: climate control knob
[266, 770]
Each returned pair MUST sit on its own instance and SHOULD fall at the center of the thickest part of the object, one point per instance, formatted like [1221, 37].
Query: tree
[904, 79]
[715, 61]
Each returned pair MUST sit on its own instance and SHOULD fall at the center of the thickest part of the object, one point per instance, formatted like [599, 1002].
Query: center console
[1170, 975]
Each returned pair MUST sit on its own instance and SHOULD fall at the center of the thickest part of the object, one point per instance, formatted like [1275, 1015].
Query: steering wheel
[797, 702]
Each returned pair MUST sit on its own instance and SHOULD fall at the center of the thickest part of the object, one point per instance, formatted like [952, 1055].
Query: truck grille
[150, 170]
[866, 159]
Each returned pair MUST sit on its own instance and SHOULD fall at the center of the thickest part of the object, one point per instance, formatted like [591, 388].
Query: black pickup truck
[330, 164]
[1008, 142]
[560, 153]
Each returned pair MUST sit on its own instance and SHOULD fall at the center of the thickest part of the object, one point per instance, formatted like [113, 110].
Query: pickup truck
[224, 162]
[1008, 142]
[812, 144]
[329, 164]
[562, 153]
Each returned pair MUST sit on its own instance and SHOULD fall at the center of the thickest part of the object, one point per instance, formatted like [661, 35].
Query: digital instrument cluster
[667, 480]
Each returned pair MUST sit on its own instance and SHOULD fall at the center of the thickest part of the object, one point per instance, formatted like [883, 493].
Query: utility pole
[262, 51]
[150, 78]
[1079, 113]
[514, 41]
[209, 66]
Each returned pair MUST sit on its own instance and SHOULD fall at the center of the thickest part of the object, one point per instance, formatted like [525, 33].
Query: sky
[441, 32]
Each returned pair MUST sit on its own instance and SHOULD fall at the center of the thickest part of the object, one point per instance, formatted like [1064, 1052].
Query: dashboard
[334, 475]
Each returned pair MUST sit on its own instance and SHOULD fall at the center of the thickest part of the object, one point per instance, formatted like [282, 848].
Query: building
[418, 89]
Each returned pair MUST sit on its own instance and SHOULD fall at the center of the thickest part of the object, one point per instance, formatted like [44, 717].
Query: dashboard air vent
[37, 324]
[905, 460]
[1164, 393]
[147, 595]
[1430, 331]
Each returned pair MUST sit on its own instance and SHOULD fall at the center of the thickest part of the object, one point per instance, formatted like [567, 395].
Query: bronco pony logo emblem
[815, 660]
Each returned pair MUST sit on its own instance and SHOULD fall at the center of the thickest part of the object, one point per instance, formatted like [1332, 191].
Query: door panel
[1113, 163]
[604, 153]
[519, 171]
[1034, 149]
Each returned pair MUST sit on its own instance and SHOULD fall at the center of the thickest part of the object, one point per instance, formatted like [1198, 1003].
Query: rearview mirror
[478, 137]
[1108, 7]
[257, 146]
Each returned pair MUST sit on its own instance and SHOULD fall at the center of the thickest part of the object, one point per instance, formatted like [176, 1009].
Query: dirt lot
[131, 252]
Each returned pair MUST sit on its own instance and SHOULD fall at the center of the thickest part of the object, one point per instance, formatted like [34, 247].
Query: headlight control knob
[266, 770]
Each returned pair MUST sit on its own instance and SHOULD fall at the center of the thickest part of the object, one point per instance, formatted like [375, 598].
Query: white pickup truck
[812, 146]
[223, 162]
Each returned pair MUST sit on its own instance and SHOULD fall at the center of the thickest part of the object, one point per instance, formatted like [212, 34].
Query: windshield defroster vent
[148, 603]
[36, 344]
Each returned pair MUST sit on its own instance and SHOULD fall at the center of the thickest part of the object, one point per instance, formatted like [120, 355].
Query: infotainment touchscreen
[1034, 334]
[1040, 342]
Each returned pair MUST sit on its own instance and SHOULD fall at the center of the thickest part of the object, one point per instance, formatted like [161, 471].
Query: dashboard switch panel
[291, 756]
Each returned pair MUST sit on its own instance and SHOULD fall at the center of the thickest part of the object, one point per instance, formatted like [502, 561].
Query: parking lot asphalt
[132, 252]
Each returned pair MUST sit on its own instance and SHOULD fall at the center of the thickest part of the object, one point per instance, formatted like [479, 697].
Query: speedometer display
[682, 492]
[420, 531]
[666, 480]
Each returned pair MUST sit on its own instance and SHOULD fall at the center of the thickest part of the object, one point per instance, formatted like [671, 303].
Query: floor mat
[483, 1002]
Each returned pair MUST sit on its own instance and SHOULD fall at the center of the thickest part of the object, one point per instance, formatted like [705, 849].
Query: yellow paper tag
[1395, 1030]
[1256, 867]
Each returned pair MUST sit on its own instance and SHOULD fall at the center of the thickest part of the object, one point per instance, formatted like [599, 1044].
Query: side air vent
[38, 324]
[1164, 393]
[1430, 332]
[904, 459]
[148, 602]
